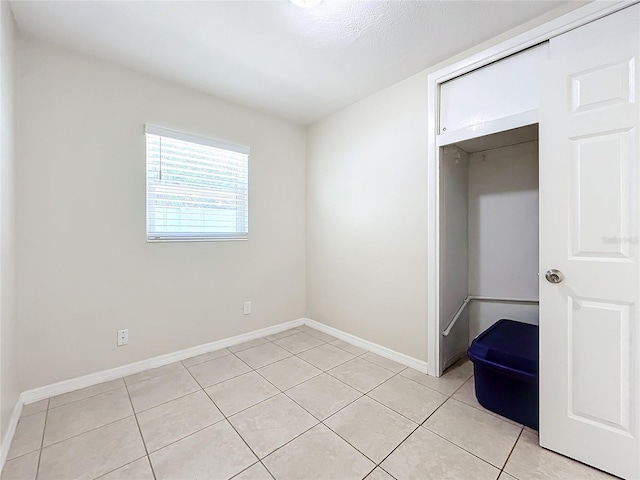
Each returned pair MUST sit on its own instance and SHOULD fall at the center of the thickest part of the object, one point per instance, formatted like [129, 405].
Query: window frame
[202, 141]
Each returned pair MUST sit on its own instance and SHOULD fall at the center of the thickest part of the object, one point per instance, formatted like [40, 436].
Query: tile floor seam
[227, 418]
[183, 438]
[370, 472]
[303, 351]
[79, 434]
[297, 355]
[388, 369]
[84, 398]
[125, 465]
[150, 378]
[265, 365]
[168, 401]
[293, 386]
[358, 355]
[144, 443]
[456, 445]
[268, 471]
[335, 366]
[246, 408]
[396, 447]
[431, 388]
[281, 393]
[44, 428]
[391, 408]
[250, 406]
[249, 348]
[294, 401]
[36, 413]
[22, 455]
[450, 397]
[312, 365]
[204, 361]
[371, 389]
[218, 383]
[284, 444]
[244, 469]
[460, 447]
[367, 456]
[319, 420]
[243, 440]
[251, 466]
[385, 471]
[511, 452]
[439, 406]
[329, 427]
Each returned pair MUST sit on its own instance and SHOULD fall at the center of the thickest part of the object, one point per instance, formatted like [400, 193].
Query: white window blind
[197, 187]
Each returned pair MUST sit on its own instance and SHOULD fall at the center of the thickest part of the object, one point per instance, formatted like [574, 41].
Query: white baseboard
[11, 430]
[401, 358]
[66, 386]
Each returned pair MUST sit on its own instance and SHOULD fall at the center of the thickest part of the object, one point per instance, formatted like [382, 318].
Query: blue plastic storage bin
[505, 362]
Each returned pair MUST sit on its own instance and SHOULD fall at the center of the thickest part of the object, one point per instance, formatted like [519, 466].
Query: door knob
[554, 276]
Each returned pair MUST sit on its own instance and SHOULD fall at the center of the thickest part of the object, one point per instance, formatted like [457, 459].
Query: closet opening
[489, 236]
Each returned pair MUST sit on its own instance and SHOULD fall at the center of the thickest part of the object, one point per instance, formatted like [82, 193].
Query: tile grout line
[238, 433]
[144, 443]
[44, 428]
[369, 473]
[251, 466]
[319, 422]
[423, 426]
[385, 471]
[125, 465]
[168, 401]
[511, 452]
[461, 448]
[377, 464]
[87, 397]
[79, 434]
[205, 361]
[450, 397]
[225, 418]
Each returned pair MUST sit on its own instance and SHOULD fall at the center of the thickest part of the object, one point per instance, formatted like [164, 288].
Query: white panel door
[589, 206]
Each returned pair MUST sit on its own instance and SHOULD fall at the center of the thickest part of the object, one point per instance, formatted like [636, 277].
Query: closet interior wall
[489, 233]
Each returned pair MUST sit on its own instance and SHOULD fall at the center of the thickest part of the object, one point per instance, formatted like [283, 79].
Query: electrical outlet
[247, 308]
[123, 337]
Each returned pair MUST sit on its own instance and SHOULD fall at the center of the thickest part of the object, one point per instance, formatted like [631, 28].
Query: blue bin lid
[509, 346]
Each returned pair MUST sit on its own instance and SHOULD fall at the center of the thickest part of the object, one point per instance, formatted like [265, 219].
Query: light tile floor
[296, 405]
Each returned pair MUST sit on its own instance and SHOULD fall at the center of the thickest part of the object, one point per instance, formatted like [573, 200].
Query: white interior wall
[9, 375]
[503, 233]
[367, 219]
[367, 213]
[454, 248]
[84, 267]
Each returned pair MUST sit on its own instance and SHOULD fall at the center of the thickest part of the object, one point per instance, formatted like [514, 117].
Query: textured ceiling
[300, 64]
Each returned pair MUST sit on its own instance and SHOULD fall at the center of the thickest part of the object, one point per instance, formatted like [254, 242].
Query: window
[197, 187]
